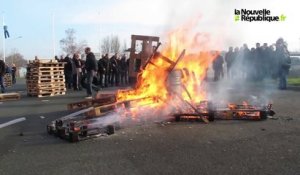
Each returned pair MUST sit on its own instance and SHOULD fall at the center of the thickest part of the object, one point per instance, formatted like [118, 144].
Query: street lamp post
[53, 34]
[3, 37]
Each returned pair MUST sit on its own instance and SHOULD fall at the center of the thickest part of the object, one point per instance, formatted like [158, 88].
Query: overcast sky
[94, 19]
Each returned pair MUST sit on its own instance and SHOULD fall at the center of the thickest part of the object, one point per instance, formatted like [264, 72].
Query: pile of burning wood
[165, 95]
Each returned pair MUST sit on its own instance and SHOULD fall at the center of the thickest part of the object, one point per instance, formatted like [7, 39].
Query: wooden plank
[46, 77]
[33, 73]
[100, 110]
[46, 94]
[47, 81]
[41, 86]
[58, 68]
[104, 100]
[46, 90]
[9, 96]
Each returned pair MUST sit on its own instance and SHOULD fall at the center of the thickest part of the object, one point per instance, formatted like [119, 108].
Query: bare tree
[105, 45]
[16, 58]
[115, 44]
[124, 47]
[110, 44]
[69, 44]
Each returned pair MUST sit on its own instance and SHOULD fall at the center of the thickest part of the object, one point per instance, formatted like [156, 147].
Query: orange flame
[152, 81]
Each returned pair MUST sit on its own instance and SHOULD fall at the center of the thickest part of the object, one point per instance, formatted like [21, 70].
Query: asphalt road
[221, 147]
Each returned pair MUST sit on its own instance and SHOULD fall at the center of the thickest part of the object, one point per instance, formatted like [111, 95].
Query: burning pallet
[10, 96]
[105, 99]
[84, 123]
[91, 119]
[232, 112]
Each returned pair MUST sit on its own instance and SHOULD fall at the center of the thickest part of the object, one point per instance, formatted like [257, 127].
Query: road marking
[12, 122]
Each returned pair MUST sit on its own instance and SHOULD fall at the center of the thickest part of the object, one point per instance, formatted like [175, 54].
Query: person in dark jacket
[101, 70]
[68, 69]
[106, 65]
[229, 60]
[218, 66]
[114, 79]
[284, 63]
[123, 70]
[56, 58]
[13, 73]
[91, 69]
[258, 62]
[2, 73]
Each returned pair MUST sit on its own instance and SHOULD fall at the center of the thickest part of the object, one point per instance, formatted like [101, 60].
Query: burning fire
[152, 82]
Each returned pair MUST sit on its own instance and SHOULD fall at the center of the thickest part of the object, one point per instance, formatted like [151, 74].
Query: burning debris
[169, 86]
[170, 100]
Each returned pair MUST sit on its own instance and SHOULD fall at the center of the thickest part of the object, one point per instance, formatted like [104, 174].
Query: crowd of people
[255, 64]
[92, 73]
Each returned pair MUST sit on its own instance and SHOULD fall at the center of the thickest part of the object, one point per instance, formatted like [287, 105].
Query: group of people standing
[255, 64]
[113, 71]
[94, 74]
[73, 70]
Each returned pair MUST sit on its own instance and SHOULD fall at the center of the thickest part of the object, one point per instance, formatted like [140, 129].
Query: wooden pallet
[102, 109]
[7, 84]
[49, 90]
[58, 68]
[10, 96]
[46, 86]
[49, 64]
[46, 94]
[37, 73]
[104, 100]
[43, 77]
[7, 80]
[60, 80]
[43, 61]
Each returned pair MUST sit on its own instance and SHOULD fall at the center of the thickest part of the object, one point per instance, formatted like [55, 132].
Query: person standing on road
[91, 68]
[258, 63]
[229, 59]
[77, 72]
[68, 69]
[218, 66]
[2, 73]
[13, 73]
[123, 70]
[101, 71]
[284, 63]
[106, 65]
[114, 79]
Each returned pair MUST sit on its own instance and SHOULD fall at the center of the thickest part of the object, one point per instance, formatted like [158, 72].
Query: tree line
[109, 44]
[70, 45]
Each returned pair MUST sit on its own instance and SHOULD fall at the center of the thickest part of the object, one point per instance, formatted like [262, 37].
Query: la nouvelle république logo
[256, 15]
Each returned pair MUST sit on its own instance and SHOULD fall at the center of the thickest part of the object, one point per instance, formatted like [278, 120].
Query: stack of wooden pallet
[45, 78]
[7, 80]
